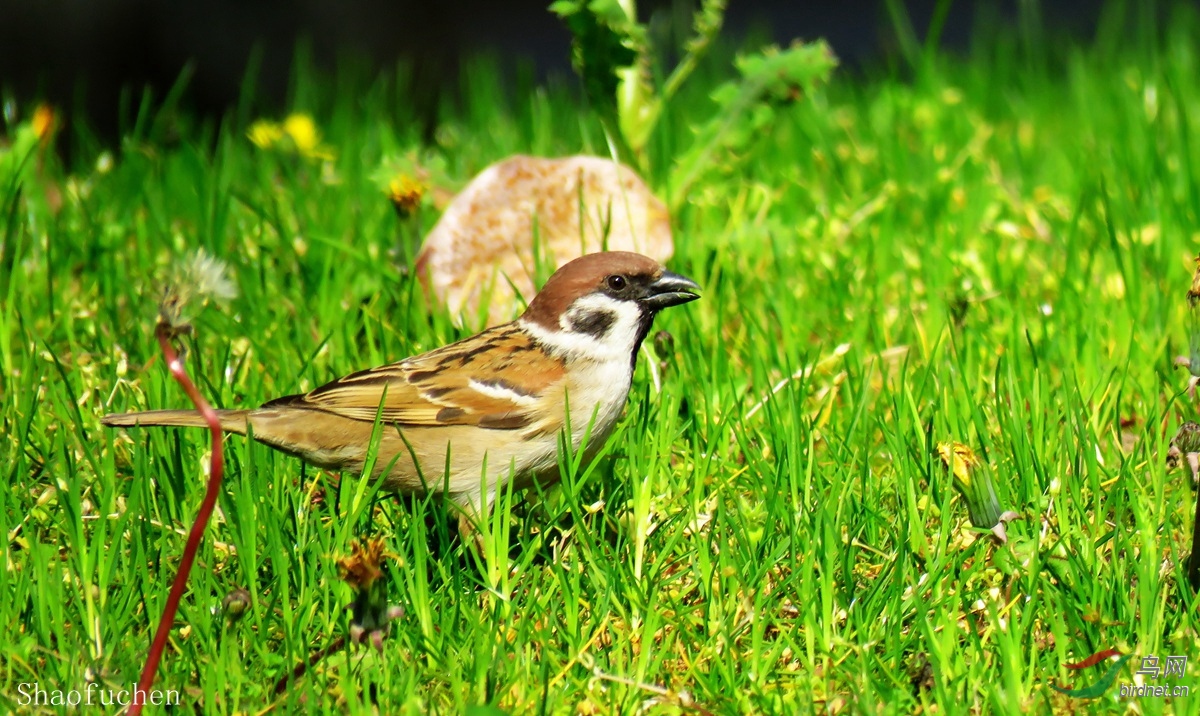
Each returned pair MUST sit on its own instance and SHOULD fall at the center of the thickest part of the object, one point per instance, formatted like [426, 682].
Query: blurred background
[80, 54]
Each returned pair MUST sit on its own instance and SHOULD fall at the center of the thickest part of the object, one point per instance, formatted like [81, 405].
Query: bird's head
[604, 303]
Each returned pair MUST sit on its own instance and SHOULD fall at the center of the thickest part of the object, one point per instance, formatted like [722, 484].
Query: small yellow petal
[44, 121]
[265, 134]
[303, 131]
[406, 193]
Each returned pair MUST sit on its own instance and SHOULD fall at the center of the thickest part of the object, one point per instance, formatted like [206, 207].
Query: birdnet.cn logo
[1160, 677]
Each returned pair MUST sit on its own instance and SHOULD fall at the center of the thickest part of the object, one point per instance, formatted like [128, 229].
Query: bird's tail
[232, 421]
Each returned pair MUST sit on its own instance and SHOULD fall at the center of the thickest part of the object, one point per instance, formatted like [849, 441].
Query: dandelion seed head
[196, 279]
[209, 277]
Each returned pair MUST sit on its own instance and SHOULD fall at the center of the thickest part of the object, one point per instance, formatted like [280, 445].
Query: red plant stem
[164, 334]
[1094, 659]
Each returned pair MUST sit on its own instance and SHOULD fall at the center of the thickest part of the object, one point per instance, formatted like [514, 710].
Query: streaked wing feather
[436, 388]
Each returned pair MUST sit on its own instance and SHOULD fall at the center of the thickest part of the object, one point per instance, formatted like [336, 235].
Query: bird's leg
[468, 529]
[472, 513]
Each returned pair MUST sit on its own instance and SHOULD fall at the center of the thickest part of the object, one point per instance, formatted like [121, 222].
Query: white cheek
[596, 393]
[616, 343]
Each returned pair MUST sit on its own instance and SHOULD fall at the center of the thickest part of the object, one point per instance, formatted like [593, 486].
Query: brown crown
[582, 276]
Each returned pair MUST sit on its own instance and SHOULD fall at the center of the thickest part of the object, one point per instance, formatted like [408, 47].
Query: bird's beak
[670, 289]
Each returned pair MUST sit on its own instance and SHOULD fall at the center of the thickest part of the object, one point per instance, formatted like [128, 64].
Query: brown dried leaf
[363, 566]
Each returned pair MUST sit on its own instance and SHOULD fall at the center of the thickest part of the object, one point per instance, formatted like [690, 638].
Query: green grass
[1003, 240]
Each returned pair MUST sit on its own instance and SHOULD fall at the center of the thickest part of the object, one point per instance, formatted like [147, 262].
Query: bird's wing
[496, 379]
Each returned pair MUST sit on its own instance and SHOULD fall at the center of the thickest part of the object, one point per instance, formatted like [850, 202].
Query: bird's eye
[616, 283]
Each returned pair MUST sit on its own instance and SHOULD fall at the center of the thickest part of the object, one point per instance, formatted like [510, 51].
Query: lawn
[992, 248]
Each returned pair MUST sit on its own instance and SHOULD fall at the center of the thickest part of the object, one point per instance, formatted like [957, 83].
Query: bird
[469, 417]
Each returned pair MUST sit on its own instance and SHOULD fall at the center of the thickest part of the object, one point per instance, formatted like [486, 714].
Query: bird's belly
[481, 461]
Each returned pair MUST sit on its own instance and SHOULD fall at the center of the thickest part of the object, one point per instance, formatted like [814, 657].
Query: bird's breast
[595, 395]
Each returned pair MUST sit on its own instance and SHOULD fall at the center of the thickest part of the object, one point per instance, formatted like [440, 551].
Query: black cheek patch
[594, 323]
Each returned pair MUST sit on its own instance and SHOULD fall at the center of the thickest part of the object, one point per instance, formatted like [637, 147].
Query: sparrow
[467, 418]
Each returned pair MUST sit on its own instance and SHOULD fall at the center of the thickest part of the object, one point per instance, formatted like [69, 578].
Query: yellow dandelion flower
[298, 134]
[303, 132]
[406, 193]
[306, 138]
[265, 134]
[44, 122]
